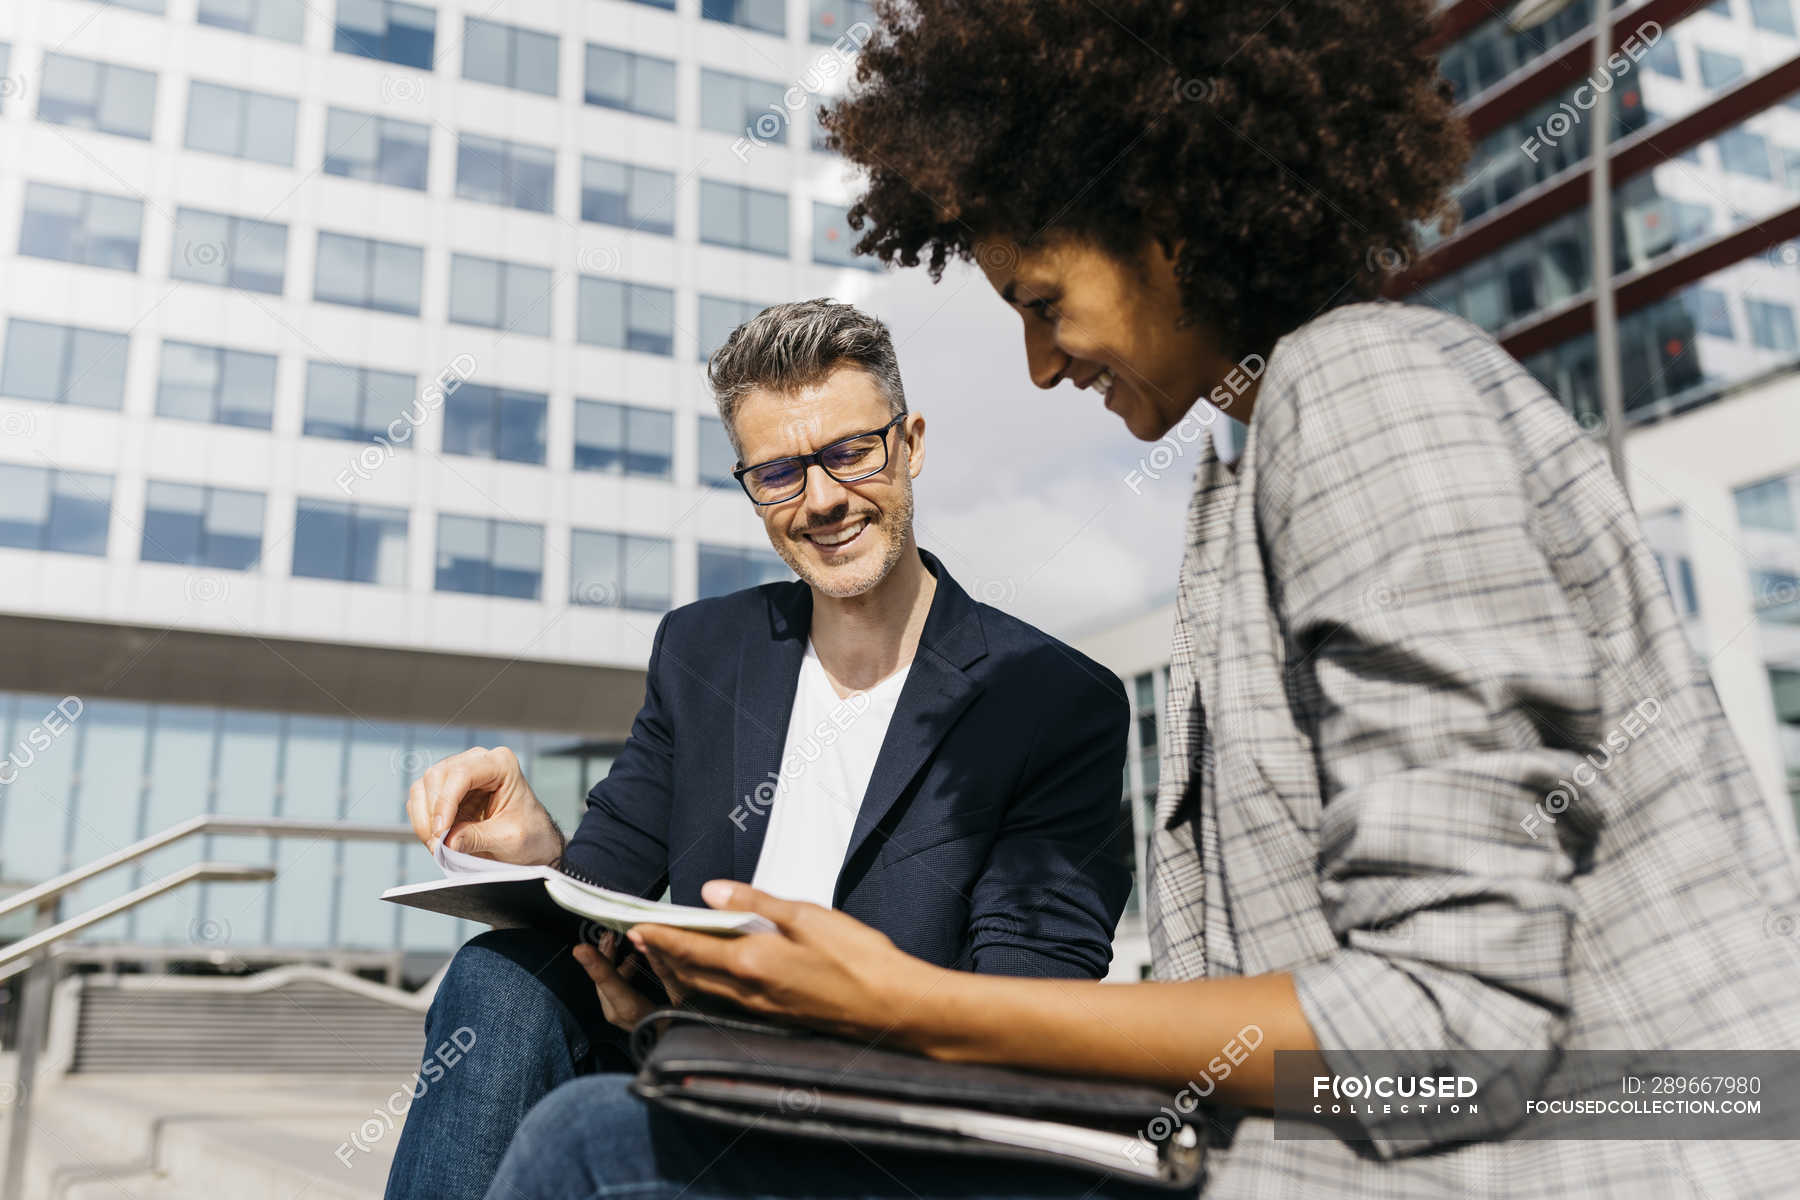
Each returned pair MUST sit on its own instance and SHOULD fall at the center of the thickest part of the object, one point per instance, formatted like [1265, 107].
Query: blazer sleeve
[622, 841]
[1054, 886]
[1447, 686]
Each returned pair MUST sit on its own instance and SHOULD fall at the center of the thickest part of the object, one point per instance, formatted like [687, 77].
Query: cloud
[1023, 493]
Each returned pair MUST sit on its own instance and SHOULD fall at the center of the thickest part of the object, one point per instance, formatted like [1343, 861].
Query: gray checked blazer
[1455, 767]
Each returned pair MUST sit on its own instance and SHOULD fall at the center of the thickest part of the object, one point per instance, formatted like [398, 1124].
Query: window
[1771, 325]
[717, 458]
[379, 149]
[389, 30]
[1767, 505]
[834, 242]
[1664, 58]
[1776, 16]
[726, 569]
[148, 6]
[493, 422]
[766, 16]
[357, 543]
[620, 570]
[1718, 68]
[63, 364]
[666, 5]
[509, 56]
[223, 120]
[365, 273]
[742, 217]
[636, 83]
[634, 197]
[832, 19]
[626, 316]
[283, 20]
[490, 558]
[97, 95]
[234, 252]
[212, 383]
[499, 295]
[64, 511]
[718, 317]
[1745, 153]
[732, 103]
[509, 173]
[623, 439]
[355, 403]
[1776, 595]
[202, 526]
[1711, 312]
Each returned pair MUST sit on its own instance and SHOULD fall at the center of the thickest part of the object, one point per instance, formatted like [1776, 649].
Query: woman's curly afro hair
[1286, 146]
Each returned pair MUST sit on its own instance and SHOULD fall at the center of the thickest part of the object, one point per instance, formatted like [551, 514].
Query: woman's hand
[823, 969]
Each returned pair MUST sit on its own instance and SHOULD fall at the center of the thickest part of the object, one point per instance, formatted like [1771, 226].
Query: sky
[1024, 494]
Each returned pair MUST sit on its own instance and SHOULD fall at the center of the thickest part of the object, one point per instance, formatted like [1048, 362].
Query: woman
[1410, 611]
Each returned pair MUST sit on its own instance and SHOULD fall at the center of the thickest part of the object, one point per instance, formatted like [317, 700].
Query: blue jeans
[592, 1138]
[514, 1017]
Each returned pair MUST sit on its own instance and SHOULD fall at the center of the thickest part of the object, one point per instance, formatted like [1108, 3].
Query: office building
[352, 410]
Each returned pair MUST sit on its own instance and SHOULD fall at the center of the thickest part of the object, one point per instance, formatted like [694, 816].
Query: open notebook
[512, 897]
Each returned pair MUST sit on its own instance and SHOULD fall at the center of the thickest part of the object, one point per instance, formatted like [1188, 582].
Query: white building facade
[352, 408]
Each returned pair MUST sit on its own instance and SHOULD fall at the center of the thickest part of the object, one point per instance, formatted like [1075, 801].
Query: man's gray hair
[786, 347]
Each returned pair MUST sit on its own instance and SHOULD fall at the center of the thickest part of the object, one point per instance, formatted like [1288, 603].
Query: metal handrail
[206, 823]
[30, 950]
[18, 956]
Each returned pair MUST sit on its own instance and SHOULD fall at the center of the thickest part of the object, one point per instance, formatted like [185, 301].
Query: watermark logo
[400, 429]
[40, 737]
[800, 756]
[1568, 115]
[379, 1123]
[402, 89]
[1197, 422]
[1172, 1120]
[1588, 771]
[765, 127]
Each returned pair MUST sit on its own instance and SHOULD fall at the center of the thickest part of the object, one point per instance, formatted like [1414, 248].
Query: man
[869, 739]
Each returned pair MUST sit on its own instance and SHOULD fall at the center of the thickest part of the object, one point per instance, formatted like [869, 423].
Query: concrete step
[155, 1137]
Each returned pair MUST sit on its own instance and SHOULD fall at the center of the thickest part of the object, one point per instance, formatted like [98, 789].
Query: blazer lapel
[768, 671]
[936, 692]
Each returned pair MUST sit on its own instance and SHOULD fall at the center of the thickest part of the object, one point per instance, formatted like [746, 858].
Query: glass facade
[1708, 294]
[98, 774]
[725, 569]
[1768, 515]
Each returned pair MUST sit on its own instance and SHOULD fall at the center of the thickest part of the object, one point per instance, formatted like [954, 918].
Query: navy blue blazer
[990, 837]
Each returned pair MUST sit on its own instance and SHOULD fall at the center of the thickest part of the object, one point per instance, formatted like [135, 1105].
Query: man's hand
[479, 803]
[823, 968]
[617, 981]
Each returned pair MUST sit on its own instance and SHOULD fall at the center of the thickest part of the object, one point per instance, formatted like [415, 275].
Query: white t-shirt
[830, 754]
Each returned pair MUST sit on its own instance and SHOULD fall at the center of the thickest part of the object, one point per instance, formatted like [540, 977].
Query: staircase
[293, 1082]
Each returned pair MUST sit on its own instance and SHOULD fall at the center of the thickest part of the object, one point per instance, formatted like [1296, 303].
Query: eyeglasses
[846, 460]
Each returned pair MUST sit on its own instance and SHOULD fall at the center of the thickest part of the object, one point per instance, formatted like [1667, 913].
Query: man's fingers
[449, 781]
[415, 811]
[621, 1004]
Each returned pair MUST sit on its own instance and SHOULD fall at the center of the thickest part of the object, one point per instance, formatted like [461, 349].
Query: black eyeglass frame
[817, 459]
